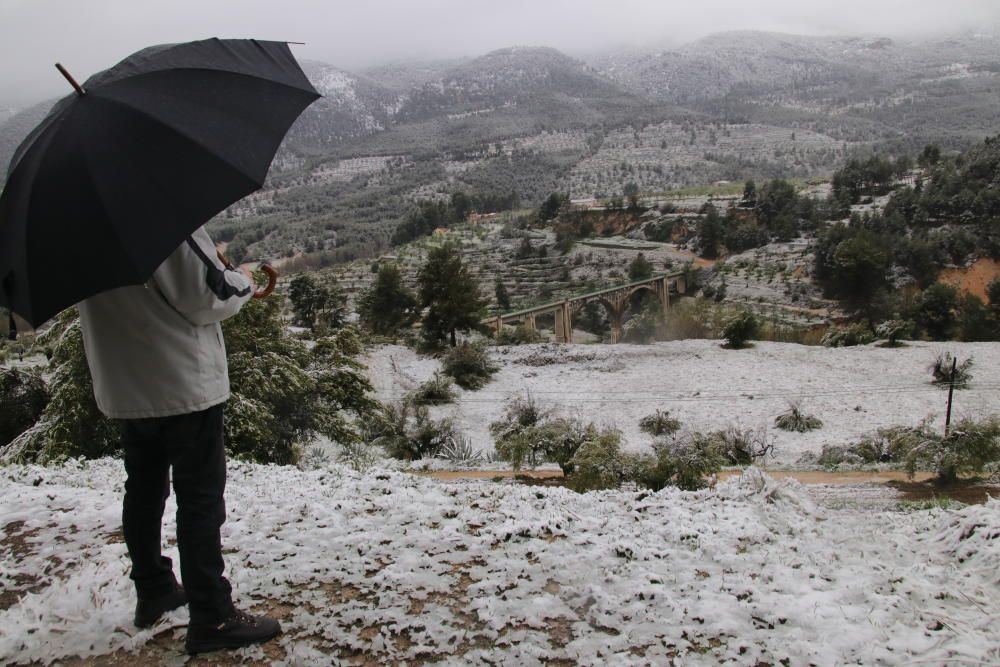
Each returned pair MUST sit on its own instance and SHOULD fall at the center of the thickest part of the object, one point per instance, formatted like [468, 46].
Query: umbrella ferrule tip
[69, 77]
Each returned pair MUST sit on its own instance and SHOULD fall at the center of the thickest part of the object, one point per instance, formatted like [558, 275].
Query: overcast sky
[89, 35]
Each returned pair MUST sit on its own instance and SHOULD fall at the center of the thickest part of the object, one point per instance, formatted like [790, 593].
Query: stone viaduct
[614, 299]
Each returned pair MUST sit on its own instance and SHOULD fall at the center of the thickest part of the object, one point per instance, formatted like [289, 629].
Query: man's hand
[247, 273]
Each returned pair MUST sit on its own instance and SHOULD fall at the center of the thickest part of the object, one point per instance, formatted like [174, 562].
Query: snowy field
[853, 390]
[392, 568]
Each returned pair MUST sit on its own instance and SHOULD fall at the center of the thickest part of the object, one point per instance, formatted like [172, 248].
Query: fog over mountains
[530, 120]
[760, 75]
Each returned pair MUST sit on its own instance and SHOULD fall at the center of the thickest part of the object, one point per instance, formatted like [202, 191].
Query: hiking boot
[240, 629]
[149, 610]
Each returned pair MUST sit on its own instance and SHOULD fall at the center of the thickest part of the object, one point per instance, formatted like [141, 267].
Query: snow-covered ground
[853, 390]
[392, 568]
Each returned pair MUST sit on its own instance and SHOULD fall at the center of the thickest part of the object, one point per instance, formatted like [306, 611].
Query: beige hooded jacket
[156, 350]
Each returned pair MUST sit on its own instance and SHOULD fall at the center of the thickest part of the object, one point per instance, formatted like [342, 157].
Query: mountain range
[532, 119]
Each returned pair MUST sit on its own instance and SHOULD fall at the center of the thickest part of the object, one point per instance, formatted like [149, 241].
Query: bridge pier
[564, 324]
[617, 303]
[663, 291]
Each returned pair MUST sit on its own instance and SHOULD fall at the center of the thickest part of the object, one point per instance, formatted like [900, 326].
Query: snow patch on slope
[852, 390]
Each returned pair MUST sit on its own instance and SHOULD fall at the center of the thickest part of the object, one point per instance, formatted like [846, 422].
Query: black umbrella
[120, 173]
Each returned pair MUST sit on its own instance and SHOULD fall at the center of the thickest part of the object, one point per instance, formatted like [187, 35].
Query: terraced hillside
[774, 280]
[490, 249]
[674, 155]
[519, 123]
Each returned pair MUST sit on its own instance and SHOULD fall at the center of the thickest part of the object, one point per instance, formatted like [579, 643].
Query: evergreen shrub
[469, 365]
[740, 328]
[435, 391]
[23, 397]
[968, 448]
[519, 335]
[849, 336]
[893, 330]
[599, 463]
[283, 393]
[683, 462]
[70, 425]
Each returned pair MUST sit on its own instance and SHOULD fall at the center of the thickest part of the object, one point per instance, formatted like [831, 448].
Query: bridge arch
[615, 301]
[640, 288]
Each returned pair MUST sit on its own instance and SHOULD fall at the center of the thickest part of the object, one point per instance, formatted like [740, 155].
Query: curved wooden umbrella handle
[272, 276]
[272, 280]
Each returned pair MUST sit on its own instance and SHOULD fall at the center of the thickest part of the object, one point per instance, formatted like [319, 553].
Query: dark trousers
[192, 444]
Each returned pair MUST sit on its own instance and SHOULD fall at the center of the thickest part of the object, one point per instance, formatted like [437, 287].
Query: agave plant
[457, 449]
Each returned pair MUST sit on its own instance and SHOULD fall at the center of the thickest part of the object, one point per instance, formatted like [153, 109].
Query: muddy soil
[970, 494]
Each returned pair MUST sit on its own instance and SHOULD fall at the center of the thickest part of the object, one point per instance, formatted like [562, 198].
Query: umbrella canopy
[118, 175]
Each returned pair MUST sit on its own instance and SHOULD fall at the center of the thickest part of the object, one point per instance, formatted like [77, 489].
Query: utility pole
[951, 392]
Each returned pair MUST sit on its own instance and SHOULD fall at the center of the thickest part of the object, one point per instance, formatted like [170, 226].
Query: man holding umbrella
[104, 206]
[158, 363]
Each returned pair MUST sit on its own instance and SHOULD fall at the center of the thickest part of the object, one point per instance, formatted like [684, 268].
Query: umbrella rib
[311, 90]
[137, 270]
[193, 140]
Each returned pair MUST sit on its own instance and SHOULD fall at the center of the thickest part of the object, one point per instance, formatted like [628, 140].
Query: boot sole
[208, 645]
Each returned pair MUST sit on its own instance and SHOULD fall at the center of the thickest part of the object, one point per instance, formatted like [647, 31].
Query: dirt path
[849, 477]
[451, 475]
[805, 477]
[841, 489]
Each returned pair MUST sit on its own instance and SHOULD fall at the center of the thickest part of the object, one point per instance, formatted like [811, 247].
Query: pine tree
[450, 294]
[935, 310]
[710, 234]
[387, 306]
[640, 268]
[317, 304]
[551, 207]
[503, 298]
[749, 194]
[461, 205]
[285, 393]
